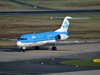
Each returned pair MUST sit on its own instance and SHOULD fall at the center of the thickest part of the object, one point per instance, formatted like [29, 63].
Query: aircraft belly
[49, 41]
[30, 44]
[35, 43]
[39, 43]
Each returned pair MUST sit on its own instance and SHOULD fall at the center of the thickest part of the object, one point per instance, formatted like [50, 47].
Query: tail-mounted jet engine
[61, 37]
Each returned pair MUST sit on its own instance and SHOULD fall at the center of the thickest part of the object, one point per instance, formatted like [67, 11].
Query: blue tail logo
[65, 25]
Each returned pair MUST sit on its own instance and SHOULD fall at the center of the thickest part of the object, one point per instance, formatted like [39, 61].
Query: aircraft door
[30, 38]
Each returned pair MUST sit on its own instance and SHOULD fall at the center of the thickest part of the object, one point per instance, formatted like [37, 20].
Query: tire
[54, 48]
[23, 50]
[36, 47]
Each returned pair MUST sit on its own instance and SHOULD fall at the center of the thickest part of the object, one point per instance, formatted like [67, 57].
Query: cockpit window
[22, 39]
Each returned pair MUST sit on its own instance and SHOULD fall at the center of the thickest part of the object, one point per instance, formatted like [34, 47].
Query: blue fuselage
[39, 37]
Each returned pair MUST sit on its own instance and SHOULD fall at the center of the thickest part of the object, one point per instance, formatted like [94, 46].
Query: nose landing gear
[23, 49]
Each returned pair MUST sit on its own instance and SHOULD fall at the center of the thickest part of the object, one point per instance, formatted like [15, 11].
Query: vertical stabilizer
[65, 24]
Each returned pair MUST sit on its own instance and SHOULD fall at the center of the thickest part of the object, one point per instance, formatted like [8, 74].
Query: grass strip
[82, 62]
[81, 30]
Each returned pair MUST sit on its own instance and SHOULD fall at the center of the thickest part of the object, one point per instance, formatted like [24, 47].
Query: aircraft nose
[18, 43]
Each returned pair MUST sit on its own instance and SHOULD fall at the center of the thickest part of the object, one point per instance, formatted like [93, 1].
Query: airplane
[47, 38]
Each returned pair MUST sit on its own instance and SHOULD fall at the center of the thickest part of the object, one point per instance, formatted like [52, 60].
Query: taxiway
[33, 62]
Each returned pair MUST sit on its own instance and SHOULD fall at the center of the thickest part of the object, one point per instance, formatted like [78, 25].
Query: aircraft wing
[9, 39]
[71, 42]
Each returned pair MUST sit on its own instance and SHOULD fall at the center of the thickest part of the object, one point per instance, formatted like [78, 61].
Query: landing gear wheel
[36, 47]
[23, 49]
[54, 48]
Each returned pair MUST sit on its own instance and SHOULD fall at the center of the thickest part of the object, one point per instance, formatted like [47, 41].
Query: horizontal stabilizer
[9, 39]
[69, 18]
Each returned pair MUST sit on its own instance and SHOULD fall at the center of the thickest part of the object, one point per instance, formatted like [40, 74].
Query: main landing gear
[54, 48]
[36, 47]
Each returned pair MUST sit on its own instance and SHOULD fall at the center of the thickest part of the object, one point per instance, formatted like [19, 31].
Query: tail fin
[65, 23]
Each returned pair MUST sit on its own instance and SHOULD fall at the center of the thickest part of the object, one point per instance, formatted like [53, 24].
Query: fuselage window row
[22, 39]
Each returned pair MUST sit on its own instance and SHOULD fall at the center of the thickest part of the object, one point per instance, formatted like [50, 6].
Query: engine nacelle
[61, 37]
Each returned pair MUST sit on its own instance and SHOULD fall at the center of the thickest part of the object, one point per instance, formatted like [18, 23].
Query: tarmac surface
[48, 12]
[52, 11]
[47, 62]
